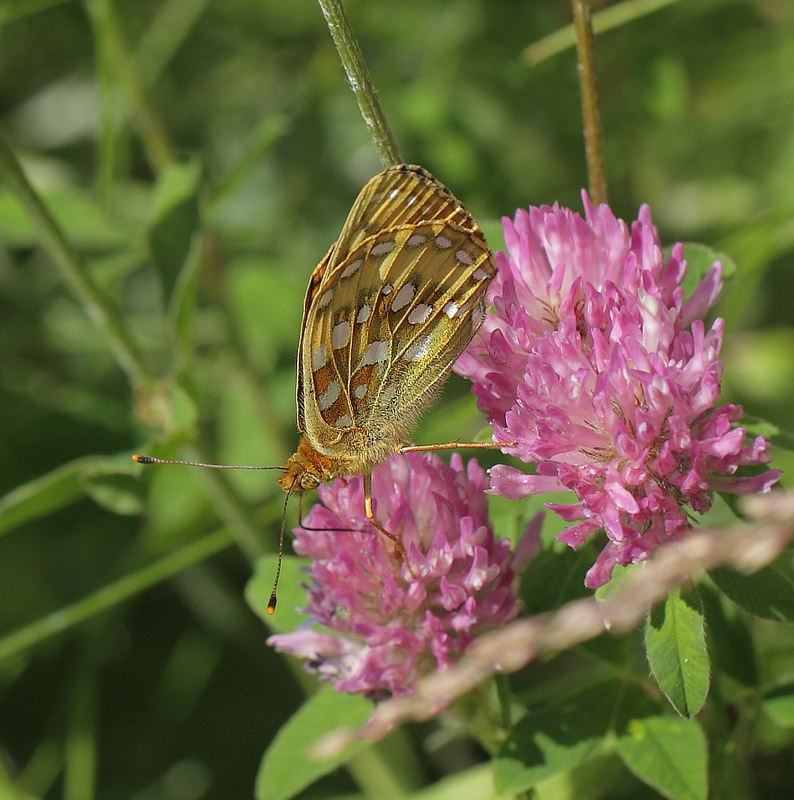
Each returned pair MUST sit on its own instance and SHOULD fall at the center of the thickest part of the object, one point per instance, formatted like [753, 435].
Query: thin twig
[360, 81]
[588, 87]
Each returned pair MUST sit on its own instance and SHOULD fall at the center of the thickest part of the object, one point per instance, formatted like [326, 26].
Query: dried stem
[591, 115]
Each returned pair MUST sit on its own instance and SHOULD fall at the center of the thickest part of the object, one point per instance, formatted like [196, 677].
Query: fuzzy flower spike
[384, 628]
[606, 379]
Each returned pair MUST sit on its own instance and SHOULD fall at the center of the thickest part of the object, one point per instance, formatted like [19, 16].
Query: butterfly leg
[424, 448]
[371, 517]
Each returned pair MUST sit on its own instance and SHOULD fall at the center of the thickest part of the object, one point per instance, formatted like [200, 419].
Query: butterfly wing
[405, 195]
[389, 309]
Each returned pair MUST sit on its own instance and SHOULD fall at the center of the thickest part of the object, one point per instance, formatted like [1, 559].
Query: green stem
[81, 743]
[360, 81]
[111, 595]
[231, 508]
[591, 115]
[505, 697]
[74, 272]
[106, 30]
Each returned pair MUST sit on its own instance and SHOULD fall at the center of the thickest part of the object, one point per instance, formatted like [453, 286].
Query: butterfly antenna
[271, 605]
[152, 460]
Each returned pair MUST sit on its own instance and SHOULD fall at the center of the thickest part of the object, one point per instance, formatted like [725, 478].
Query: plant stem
[74, 272]
[111, 595]
[604, 20]
[153, 137]
[591, 115]
[360, 81]
[231, 509]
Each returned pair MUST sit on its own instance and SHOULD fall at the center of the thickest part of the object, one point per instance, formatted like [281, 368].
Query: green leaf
[558, 738]
[176, 219]
[291, 593]
[474, 782]
[732, 648]
[766, 593]
[56, 489]
[41, 496]
[260, 290]
[675, 644]
[620, 574]
[699, 259]
[758, 426]
[668, 754]
[779, 704]
[288, 765]
[120, 494]
[75, 211]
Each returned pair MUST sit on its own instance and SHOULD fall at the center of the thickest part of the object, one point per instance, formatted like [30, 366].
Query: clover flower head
[606, 378]
[383, 625]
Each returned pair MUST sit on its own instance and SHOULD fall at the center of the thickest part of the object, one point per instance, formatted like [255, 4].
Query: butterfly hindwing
[315, 281]
[426, 310]
[389, 309]
[406, 195]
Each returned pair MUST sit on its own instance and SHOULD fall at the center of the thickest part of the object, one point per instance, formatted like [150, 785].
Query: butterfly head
[297, 478]
[308, 468]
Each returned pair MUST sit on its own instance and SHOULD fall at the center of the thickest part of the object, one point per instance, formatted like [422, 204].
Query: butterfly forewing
[388, 310]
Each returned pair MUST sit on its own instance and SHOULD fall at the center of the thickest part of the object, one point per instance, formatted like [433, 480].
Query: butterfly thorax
[308, 467]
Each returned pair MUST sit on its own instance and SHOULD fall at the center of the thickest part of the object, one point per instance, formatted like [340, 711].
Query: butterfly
[388, 310]
[391, 306]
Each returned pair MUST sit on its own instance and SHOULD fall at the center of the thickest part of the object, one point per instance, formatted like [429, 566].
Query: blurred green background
[201, 155]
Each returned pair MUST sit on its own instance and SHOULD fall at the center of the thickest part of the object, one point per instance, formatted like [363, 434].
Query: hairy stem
[360, 81]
